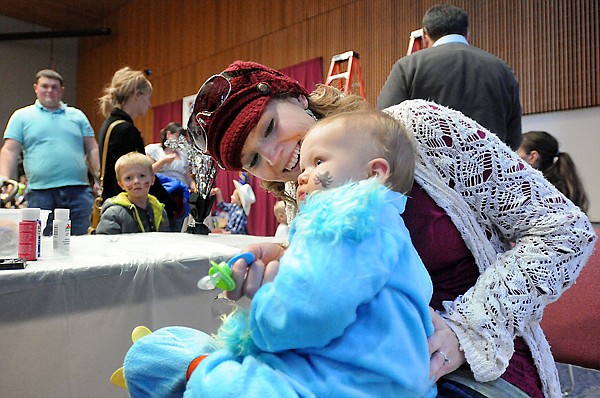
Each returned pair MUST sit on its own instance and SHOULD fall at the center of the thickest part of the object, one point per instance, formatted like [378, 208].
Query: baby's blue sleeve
[319, 287]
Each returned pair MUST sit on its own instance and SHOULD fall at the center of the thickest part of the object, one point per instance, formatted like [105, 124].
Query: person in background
[126, 98]
[133, 210]
[55, 139]
[541, 151]
[171, 167]
[347, 314]
[238, 209]
[282, 222]
[453, 73]
[171, 162]
[499, 241]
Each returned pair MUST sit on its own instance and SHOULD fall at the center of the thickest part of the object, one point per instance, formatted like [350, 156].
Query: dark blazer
[464, 78]
[125, 138]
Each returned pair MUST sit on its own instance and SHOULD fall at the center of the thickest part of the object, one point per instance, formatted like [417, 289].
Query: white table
[66, 322]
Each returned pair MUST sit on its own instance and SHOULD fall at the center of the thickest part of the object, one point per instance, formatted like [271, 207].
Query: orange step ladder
[343, 79]
[416, 41]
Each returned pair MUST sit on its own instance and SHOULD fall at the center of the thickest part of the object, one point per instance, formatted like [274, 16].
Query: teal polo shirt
[52, 141]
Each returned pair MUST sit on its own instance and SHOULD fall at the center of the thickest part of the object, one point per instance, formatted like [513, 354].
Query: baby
[347, 314]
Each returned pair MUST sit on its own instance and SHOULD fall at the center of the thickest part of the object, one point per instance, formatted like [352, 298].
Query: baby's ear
[379, 168]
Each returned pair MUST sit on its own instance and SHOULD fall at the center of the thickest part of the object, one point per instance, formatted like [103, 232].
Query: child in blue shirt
[238, 209]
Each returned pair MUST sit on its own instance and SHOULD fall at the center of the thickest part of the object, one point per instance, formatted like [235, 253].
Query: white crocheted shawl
[528, 240]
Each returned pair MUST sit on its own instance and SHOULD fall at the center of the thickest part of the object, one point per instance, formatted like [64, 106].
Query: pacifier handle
[219, 274]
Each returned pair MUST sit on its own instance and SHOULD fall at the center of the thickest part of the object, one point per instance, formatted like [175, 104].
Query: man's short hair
[445, 19]
[50, 74]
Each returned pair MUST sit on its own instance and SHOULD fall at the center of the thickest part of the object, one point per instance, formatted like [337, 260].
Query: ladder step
[344, 75]
[345, 56]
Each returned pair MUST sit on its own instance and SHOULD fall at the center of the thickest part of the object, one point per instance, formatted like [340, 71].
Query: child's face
[330, 157]
[136, 180]
[235, 198]
[280, 216]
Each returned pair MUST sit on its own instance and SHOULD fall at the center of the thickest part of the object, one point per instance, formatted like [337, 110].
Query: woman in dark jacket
[127, 97]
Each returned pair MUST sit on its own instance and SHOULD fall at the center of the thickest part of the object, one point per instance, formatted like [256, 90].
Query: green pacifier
[219, 274]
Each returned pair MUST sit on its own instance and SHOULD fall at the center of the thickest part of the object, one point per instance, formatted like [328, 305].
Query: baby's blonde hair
[278, 207]
[130, 159]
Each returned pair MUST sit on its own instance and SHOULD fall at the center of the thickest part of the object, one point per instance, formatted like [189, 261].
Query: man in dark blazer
[450, 72]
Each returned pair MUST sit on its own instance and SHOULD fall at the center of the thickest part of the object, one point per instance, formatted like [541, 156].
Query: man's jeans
[78, 199]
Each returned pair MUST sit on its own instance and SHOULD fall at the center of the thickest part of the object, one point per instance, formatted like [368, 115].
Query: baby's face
[136, 180]
[330, 157]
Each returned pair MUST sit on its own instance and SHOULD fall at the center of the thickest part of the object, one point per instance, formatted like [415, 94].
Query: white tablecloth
[66, 322]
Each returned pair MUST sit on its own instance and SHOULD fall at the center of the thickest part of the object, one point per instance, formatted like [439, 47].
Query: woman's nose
[271, 154]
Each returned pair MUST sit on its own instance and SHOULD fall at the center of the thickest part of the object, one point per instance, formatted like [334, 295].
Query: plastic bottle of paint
[37, 212]
[61, 232]
[28, 234]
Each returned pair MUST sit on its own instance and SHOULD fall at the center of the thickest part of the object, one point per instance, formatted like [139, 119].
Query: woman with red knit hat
[498, 240]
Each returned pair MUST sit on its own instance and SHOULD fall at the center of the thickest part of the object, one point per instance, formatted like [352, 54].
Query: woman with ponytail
[541, 150]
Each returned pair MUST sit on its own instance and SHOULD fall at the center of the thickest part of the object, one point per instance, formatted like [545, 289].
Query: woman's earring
[311, 114]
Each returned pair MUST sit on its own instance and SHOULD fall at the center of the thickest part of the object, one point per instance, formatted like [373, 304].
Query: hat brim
[246, 195]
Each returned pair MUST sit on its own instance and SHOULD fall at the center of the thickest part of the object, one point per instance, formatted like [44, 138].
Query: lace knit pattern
[528, 240]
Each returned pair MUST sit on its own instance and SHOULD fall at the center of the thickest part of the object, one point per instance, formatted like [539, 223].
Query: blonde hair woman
[124, 99]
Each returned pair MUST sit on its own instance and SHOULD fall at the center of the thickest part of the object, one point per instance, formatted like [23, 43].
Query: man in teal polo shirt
[55, 139]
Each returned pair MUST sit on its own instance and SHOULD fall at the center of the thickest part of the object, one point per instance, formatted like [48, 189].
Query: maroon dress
[453, 271]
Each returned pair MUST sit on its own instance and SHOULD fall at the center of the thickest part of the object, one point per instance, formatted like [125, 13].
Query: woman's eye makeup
[254, 158]
[253, 161]
[269, 129]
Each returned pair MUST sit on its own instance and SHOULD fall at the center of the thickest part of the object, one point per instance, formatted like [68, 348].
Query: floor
[587, 381]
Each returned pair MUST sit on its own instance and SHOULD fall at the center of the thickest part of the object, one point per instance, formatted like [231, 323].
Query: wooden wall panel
[552, 45]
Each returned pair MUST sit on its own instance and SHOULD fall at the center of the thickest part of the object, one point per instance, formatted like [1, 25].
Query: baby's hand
[249, 279]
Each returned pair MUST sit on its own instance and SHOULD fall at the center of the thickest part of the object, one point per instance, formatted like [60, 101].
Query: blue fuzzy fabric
[156, 364]
[346, 316]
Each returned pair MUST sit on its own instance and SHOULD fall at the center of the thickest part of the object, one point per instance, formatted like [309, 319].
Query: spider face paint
[324, 179]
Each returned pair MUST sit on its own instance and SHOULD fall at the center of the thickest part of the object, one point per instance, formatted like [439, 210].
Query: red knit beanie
[252, 86]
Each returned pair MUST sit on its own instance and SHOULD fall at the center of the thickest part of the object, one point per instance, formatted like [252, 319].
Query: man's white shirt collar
[454, 38]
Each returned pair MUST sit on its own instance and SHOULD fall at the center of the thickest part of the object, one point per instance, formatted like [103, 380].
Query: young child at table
[347, 313]
[134, 210]
[238, 209]
[282, 223]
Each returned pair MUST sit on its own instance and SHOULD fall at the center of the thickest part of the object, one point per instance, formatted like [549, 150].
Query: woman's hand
[249, 279]
[444, 348]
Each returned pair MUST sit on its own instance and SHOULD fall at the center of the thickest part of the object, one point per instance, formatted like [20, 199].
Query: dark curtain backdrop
[261, 220]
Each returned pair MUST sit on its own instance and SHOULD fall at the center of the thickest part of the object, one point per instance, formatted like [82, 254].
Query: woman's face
[143, 101]
[272, 150]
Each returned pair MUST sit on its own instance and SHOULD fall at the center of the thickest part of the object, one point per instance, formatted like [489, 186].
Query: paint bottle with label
[40, 232]
[61, 232]
[28, 234]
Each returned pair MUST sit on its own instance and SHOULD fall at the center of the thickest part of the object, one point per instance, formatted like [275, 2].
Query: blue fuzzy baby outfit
[346, 316]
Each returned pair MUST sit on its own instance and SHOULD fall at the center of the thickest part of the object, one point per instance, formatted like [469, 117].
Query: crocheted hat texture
[252, 86]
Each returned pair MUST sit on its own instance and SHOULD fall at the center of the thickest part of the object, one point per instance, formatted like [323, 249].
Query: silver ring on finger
[446, 359]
